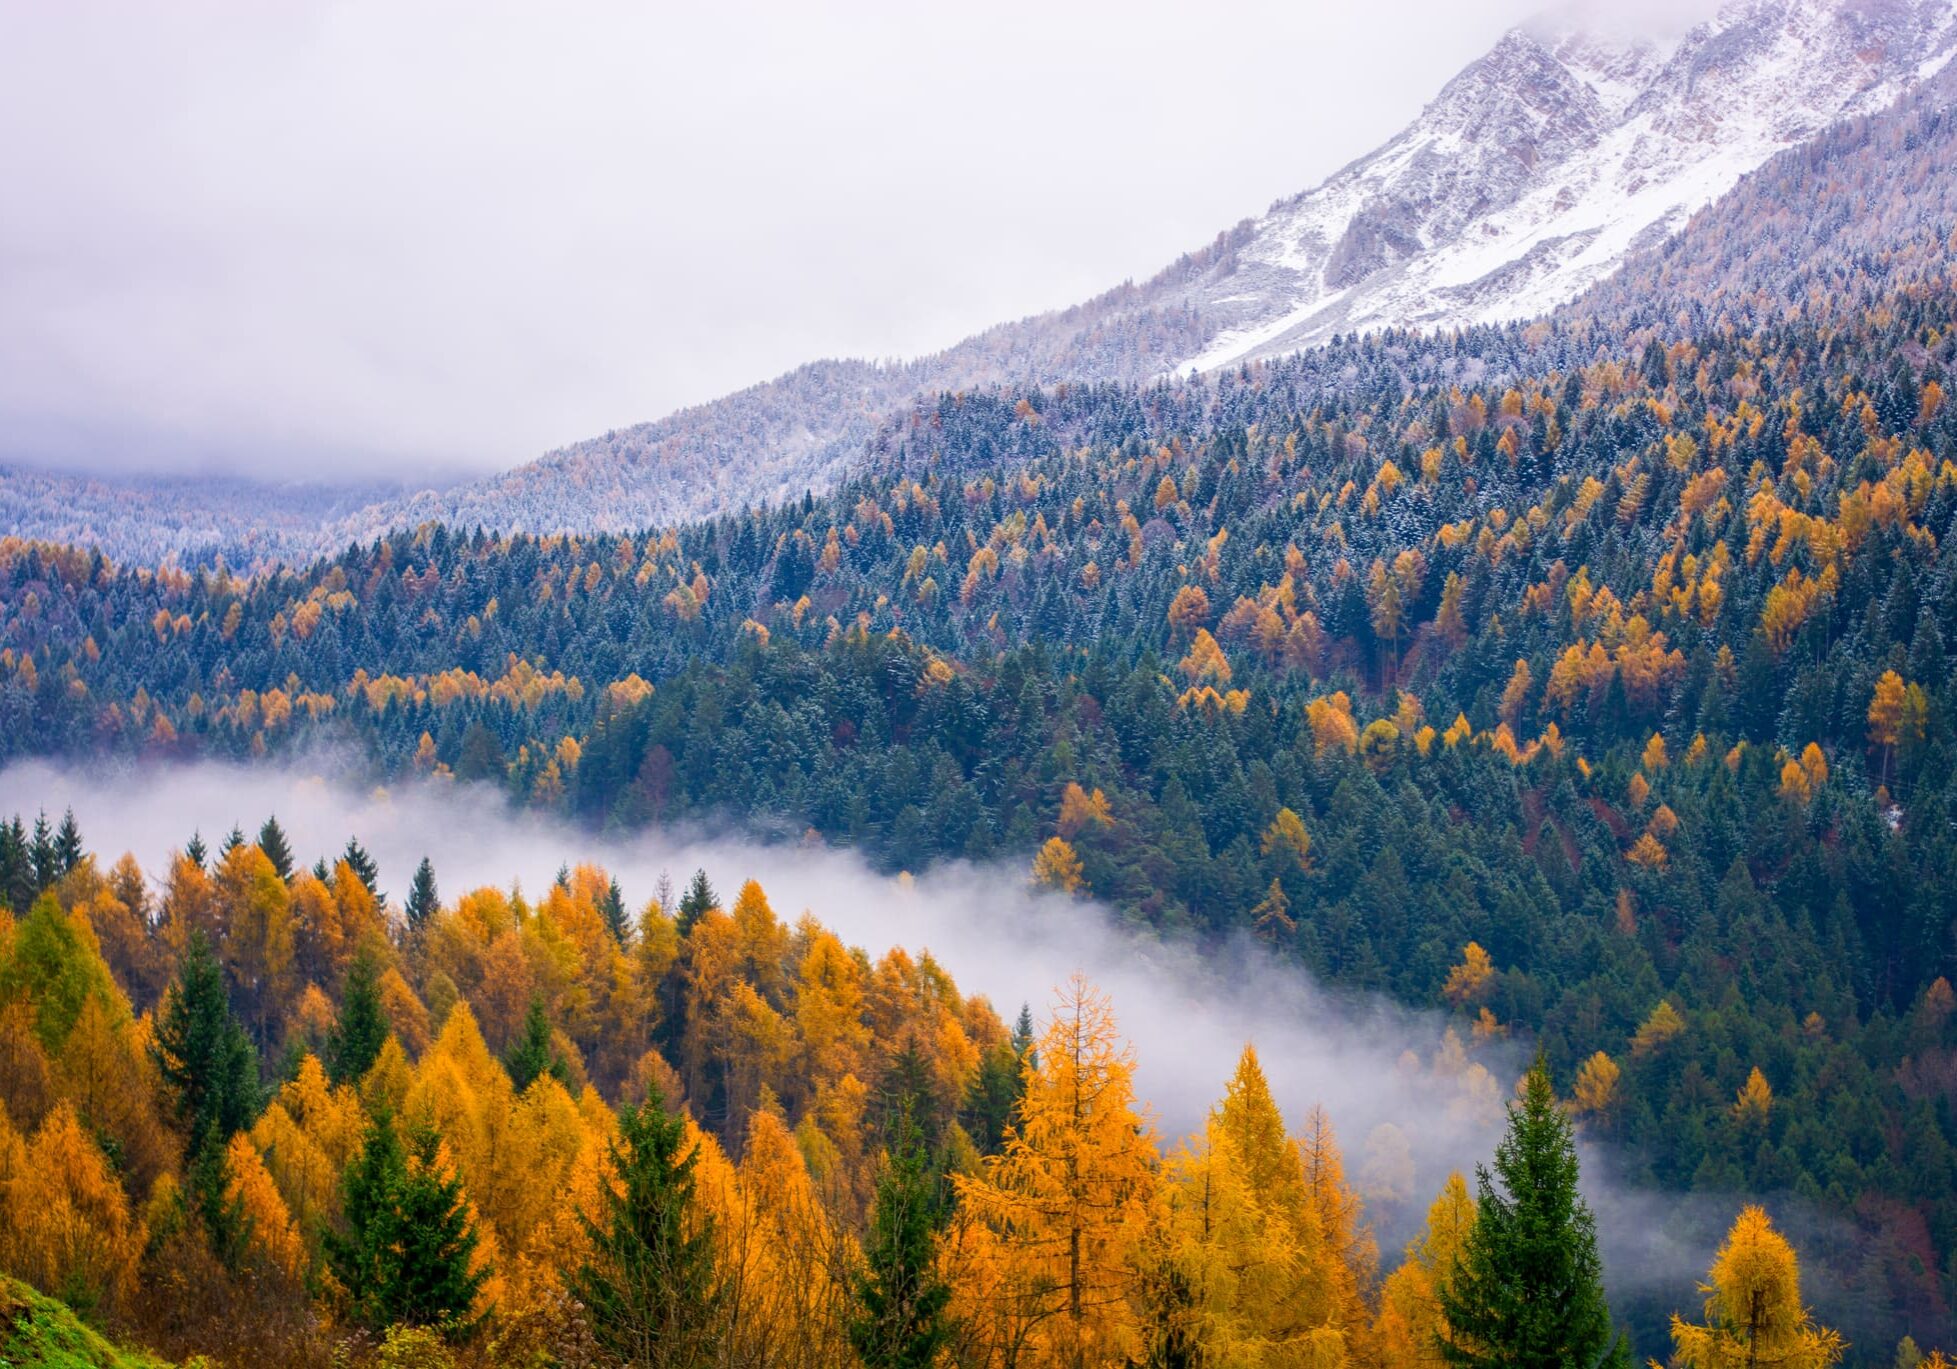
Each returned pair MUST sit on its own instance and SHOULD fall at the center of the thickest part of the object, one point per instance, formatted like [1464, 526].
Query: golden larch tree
[1287, 840]
[1467, 981]
[1058, 867]
[1659, 1030]
[1411, 1323]
[1189, 610]
[1886, 716]
[1595, 1093]
[1080, 809]
[1251, 1240]
[1352, 1256]
[1753, 1309]
[67, 1224]
[1755, 1101]
[1069, 1202]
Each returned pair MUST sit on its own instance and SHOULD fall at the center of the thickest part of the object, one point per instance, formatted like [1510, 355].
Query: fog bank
[1406, 1108]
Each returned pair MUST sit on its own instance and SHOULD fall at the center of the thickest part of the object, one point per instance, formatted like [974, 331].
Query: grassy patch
[37, 1332]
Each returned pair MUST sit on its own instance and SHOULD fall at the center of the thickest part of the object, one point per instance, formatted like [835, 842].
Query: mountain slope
[38, 1332]
[1867, 208]
[1541, 166]
[1531, 177]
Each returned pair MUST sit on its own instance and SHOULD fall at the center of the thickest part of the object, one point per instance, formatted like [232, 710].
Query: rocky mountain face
[1865, 209]
[1538, 169]
[1531, 178]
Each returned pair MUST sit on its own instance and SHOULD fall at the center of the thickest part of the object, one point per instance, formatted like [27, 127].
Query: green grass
[37, 1332]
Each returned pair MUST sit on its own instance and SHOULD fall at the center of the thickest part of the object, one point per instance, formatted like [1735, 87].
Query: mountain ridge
[1533, 176]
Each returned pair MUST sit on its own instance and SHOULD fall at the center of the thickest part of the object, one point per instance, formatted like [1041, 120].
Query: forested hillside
[1621, 657]
[253, 1111]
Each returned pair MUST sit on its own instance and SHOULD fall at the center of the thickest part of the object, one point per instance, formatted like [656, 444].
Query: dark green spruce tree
[17, 885]
[991, 1097]
[612, 904]
[362, 865]
[362, 1030]
[532, 1053]
[651, 1287]
[1529, 1292]
[699, 897]
[406, 1252]
[271, 840]
[67, 844]
[47, 860]
[423, 897]
[207, 1060]
[900, 1320]
[203, 1052]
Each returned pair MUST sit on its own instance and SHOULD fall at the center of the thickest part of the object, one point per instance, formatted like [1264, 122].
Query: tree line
[844, 1162]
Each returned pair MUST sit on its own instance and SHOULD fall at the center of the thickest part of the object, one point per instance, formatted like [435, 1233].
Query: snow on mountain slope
[1530, 177]
[1539, 168]
[1533, 175]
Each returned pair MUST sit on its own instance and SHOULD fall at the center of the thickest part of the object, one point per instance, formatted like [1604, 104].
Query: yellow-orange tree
[1264, 1236]
[1050, 1233]
[1411, 1324]
[1754, 1315]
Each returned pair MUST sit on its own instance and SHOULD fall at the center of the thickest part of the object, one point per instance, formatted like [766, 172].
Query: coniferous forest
[1588, 690]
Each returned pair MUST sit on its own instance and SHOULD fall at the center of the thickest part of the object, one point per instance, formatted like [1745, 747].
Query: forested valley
[1593, 694]
[266, 1117]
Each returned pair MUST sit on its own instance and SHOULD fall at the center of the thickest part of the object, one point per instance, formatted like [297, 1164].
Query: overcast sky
[408, 238]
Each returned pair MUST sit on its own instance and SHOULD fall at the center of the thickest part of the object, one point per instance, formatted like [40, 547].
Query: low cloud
[1402, 1122]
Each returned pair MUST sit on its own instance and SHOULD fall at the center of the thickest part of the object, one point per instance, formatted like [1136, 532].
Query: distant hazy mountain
[1532, 176]
[182, 519]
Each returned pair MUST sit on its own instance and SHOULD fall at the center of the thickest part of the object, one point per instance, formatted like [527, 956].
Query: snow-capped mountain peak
[1528, 179]
[1540, 166]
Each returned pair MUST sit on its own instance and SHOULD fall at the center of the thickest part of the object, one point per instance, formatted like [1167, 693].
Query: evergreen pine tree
[271, 840]
[17, 887]
[367, 1189]
[203, 1053]
[532, 1053]
[196, 851]
[363, 1025]
[207, 1193]
[900, 1321]
[1528, 1292]
[612, 904]
[907, 1095]
[699, 897]
[423, 897]
[208, 1061]
[651, 1287]
[404, 1256]
[232, 840]
[363, 866]
[434, 1284]
[992, 1096]
[46, 862]
[67, 844]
